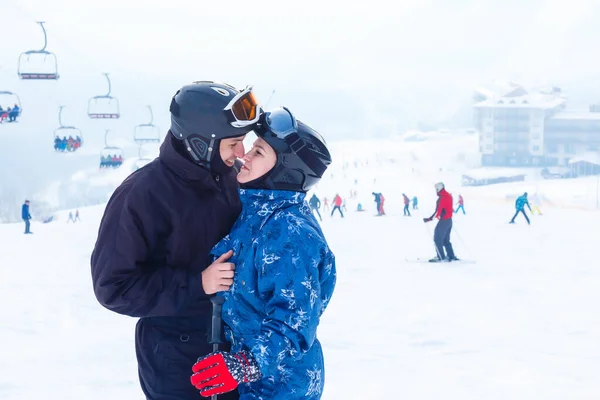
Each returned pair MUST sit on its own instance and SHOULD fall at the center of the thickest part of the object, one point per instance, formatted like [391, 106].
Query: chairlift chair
[9, 99]
[104, 106]
[27, 71]
[147, 133]
[109, 152]
[142, 160]
[66, 131]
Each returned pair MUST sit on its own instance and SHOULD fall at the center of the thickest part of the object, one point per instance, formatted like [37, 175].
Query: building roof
[591, 157]
[577, 115]
[500, 89]
[534, 100]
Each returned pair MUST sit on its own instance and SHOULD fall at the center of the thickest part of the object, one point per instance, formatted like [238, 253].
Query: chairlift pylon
[9, 99]
[104, 106]
[26, 71]
[147, 133]
[67, 138]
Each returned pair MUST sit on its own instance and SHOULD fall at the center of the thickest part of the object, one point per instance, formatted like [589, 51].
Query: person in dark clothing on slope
[378, 203]
[26, 216]
[406, 205]
[520, 204]
[441, 235]
[152, 256]
[315, 204]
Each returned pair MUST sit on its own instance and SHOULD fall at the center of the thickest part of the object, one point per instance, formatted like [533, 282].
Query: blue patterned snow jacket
[284, 278]
[521, 202]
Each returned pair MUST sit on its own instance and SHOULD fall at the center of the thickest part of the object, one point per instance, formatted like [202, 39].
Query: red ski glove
[222, 372]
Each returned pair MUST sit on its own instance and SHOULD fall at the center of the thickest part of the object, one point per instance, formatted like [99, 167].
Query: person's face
[258, 161]
[231, 149]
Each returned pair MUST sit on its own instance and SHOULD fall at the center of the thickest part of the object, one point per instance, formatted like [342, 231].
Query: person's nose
[239, 151]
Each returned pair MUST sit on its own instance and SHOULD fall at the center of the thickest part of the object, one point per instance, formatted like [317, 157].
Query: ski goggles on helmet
[243, 110]
[281, 124]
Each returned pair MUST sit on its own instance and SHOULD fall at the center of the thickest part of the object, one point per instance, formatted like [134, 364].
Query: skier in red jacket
[337, 205]
[441, 236]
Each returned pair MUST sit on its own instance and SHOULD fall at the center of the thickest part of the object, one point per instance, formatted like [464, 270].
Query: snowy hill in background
[409, 163]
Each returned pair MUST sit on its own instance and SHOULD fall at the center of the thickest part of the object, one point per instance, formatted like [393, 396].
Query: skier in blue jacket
[26, 216]
[520, 204]
[285, 272]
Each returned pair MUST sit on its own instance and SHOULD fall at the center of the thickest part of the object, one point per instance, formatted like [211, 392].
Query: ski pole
[215, 328]
[433, 240]
[462, 241]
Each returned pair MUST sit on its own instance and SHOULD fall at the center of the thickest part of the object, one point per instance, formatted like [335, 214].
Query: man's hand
[219, 275]
[426, 219]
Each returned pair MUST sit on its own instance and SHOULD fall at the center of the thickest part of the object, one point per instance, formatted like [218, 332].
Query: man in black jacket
[151, 258]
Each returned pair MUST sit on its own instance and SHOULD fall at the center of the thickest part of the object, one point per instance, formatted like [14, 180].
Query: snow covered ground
[520, 323]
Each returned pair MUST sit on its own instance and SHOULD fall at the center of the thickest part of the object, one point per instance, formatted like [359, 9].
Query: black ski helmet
[202, 115]
[302, 153]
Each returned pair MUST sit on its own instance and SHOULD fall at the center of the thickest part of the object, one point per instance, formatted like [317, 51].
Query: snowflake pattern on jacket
[284, 278]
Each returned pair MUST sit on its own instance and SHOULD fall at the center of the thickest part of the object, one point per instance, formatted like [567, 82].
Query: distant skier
[26, 216]
[415, 203]
[77, 216]
[441, 236]
[406, 205]
[536, 203]
[461, 205]
[381, 203]
[315, 204]
[325, 204]
[70, 217]
[520, 204]
[377, 202]
[337, 205]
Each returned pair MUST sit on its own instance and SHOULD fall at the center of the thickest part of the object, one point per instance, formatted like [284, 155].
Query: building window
[488, 147]
[536, 148]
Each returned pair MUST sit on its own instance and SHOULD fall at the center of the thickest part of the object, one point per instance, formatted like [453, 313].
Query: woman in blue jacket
[284, 271]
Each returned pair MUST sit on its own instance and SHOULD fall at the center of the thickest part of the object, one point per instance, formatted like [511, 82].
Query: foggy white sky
[344, 65]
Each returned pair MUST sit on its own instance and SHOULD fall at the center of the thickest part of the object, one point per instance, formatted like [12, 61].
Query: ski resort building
[521, 128]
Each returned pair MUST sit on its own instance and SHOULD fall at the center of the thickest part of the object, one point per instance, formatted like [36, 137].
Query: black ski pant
[441, 238]
[318, 213]
[406, 210]
[337, 208]
[517, 213]
[27, 224]
[166, 350]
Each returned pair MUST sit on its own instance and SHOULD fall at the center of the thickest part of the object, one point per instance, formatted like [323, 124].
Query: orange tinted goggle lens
[245, 108]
